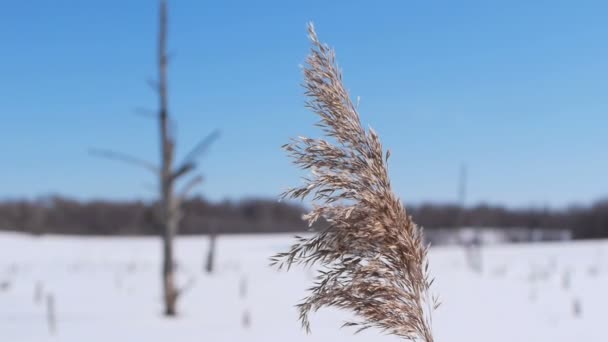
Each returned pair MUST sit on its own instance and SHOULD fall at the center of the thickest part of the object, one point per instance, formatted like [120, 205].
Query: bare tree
[168, 174]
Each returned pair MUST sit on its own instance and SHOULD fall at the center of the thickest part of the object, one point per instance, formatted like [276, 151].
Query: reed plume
[371, 257]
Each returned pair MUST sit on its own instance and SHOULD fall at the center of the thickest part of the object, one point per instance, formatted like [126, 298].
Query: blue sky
[514, 89]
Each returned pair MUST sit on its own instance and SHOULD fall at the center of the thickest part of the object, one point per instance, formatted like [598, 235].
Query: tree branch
[146, 112]
[183, 170]
[118, 156]
[154, 85]
[202, 146]
[190, 186]
[199, 149]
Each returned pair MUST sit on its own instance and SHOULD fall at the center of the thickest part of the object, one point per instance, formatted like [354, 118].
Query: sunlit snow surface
[108, 290]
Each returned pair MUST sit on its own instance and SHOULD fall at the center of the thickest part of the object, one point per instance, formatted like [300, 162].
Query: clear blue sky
[516, 89]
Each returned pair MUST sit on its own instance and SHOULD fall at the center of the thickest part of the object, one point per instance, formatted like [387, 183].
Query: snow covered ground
[108, 289]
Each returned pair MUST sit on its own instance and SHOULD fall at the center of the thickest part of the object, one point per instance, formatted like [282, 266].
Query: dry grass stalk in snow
[372, 258]
[51, 315]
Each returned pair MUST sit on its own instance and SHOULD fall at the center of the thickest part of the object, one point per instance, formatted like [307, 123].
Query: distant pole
[462, 186]
[462, 194]
[472, 246]
[211, 251]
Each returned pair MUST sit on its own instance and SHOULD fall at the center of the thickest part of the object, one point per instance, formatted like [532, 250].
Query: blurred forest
[60, 215]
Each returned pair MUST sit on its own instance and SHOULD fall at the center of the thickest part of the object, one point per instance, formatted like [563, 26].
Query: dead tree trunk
[169, 204]
[168, 175]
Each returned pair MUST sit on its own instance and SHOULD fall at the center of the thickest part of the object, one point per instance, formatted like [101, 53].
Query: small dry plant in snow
[371, 257]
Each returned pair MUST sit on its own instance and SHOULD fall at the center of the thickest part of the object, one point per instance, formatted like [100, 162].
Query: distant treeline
[60, 215]
[67, 216]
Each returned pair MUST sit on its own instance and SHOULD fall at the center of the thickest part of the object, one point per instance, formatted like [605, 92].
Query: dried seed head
[371, 258]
